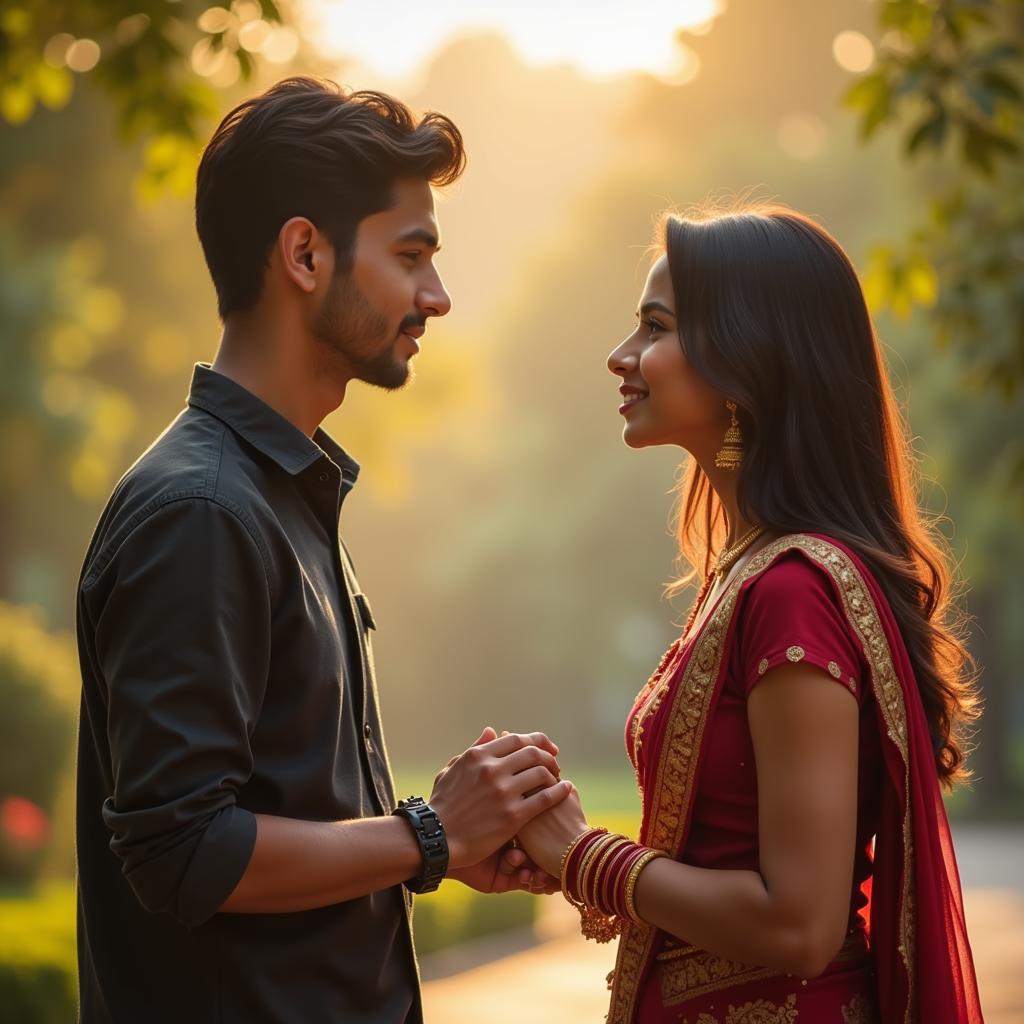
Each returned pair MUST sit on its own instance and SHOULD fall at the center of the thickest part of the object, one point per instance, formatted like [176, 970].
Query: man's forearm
[300, 865]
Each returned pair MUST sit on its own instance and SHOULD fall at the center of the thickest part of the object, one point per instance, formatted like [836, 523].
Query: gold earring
[730, 455]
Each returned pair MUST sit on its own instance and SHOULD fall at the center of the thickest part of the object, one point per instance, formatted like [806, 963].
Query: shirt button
[367, 731]
[324, 478]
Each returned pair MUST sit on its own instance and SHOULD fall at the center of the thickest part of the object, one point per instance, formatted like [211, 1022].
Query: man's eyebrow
[654, 307]
[421, 235]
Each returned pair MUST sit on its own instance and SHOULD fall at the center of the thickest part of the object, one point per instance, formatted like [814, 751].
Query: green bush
[38, 972]
[455, 914]
[39, 686]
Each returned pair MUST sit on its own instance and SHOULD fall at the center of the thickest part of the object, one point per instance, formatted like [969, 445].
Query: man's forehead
[409, 218]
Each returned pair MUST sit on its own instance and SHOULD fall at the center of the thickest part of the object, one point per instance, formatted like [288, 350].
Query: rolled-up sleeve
[181, 615]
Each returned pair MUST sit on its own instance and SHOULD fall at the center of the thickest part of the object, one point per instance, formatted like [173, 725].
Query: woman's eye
[653, 327]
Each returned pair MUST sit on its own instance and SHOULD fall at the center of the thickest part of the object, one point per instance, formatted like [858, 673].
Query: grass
[38, 973]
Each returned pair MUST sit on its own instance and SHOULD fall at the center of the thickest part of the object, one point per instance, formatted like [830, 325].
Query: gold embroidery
[834, 670]
[762, 666]
[689, 972]
[666, 820]
[859, 1011]
[795, 653]
[763, 1011]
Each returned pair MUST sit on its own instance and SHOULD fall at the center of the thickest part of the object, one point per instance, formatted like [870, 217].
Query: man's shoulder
[196, 460]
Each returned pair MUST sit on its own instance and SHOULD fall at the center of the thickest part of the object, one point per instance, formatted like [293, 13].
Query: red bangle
[571, 876]
[605, 895]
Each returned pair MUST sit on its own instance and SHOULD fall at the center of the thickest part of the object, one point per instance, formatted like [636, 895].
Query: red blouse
[788, 613]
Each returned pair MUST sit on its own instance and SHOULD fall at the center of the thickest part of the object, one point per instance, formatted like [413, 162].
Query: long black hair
[772, 315]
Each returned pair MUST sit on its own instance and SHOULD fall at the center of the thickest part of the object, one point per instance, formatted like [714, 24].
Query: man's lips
[412, 334]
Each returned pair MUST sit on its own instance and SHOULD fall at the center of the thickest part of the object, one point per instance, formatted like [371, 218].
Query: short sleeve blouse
[791, 613]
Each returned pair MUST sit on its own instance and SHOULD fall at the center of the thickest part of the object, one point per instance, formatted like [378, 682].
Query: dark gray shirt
[227, 672]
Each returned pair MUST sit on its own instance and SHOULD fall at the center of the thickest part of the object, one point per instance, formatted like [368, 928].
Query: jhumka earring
[730, 455]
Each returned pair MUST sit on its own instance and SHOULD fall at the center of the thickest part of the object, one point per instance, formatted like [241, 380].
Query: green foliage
[948, 77]
[158, 61]
[38, 691]
[945, 72]
[38, 971]
[455, 914]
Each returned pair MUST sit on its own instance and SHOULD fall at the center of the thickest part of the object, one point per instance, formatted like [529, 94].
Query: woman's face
[665, 401]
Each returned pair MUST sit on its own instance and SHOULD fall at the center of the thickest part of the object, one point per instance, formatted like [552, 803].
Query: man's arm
[481, 798]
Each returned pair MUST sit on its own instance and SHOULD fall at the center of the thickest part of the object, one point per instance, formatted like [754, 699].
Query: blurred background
[513, 549]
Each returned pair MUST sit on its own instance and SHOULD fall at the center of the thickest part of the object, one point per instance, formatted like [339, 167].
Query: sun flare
[601, 38]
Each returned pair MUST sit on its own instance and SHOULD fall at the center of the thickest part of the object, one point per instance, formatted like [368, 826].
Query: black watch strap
[429, 832]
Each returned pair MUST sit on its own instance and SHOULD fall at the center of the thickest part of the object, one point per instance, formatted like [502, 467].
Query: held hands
[485, 796]
[548, 836]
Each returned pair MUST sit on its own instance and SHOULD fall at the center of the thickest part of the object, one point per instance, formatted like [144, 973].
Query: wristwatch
[429, 832]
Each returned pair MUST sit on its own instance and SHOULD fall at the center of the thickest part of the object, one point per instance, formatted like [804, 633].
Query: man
[238, 856]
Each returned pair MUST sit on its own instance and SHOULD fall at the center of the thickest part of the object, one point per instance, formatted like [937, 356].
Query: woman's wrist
[555, 855]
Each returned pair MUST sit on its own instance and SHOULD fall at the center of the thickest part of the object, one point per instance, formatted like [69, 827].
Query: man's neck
[281, 374]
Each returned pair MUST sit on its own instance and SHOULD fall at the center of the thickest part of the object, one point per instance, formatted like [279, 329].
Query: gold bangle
[634, 874]
[565, 860]
[588, 859]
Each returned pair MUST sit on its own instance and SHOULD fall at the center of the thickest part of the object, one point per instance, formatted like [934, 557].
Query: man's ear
[301, 250]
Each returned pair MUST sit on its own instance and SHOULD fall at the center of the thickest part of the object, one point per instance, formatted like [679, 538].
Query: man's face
[372, 315]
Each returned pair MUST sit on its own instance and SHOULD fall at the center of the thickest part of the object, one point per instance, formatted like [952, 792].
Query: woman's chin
[634, 438]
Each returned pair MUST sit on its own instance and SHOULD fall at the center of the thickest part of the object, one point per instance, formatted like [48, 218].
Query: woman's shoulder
[795, 565]
[793, 610]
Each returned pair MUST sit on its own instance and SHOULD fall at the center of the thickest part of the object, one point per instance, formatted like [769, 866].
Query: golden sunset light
[602, 39]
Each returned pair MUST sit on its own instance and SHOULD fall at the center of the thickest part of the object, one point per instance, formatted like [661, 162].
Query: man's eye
[413, 256]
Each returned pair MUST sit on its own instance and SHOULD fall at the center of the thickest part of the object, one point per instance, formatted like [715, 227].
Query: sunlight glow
[853, 51]
[602, 38]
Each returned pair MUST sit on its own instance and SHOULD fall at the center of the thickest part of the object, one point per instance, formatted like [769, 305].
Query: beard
[352, 331]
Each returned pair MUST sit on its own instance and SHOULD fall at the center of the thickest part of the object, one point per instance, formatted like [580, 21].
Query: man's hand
[507, 870]
[486, 794]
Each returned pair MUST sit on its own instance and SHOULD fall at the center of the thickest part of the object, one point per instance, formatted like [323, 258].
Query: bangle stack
[599, 872]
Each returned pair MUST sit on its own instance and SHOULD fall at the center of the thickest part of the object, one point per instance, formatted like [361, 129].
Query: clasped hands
[507, 813]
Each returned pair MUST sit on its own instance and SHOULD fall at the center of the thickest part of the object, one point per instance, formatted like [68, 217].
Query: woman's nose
[623, 360]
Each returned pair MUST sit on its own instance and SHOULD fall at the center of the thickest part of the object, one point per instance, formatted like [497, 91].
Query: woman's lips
[631, 400]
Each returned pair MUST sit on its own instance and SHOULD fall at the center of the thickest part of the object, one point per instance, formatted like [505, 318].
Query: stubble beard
[351, 332]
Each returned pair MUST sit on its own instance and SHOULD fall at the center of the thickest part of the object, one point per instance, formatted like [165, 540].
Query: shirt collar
[265, 428]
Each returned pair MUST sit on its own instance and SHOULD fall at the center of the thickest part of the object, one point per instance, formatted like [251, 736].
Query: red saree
[918, 966]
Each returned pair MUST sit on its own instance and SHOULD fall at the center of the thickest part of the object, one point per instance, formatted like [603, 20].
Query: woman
[795, 861]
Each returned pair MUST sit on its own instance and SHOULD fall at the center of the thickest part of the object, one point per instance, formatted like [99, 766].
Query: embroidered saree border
[667, 820]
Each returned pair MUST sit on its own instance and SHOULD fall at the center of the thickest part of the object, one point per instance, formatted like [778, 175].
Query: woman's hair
[307, 148]
[771, 314]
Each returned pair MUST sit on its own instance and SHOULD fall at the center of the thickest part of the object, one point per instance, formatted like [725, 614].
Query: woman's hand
[507, 870]
[547, 836]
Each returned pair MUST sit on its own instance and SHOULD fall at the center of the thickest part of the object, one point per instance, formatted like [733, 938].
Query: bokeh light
[853, 51]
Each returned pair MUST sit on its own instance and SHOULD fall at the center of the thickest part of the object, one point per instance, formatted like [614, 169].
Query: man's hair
[308, 148]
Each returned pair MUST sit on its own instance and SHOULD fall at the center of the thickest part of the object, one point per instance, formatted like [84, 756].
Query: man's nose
[433, 299]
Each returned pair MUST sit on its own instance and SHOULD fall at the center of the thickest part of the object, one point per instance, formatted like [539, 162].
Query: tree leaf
[865, 92]
[983, 98]
[1001, 84]
[931, 131]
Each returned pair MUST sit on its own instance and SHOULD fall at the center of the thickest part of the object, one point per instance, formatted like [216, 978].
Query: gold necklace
[729, 556]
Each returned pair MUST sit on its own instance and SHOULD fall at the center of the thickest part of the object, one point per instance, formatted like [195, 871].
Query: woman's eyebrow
[654, 307]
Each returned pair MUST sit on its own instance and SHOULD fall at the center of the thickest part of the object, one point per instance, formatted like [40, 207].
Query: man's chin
[391, 377]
